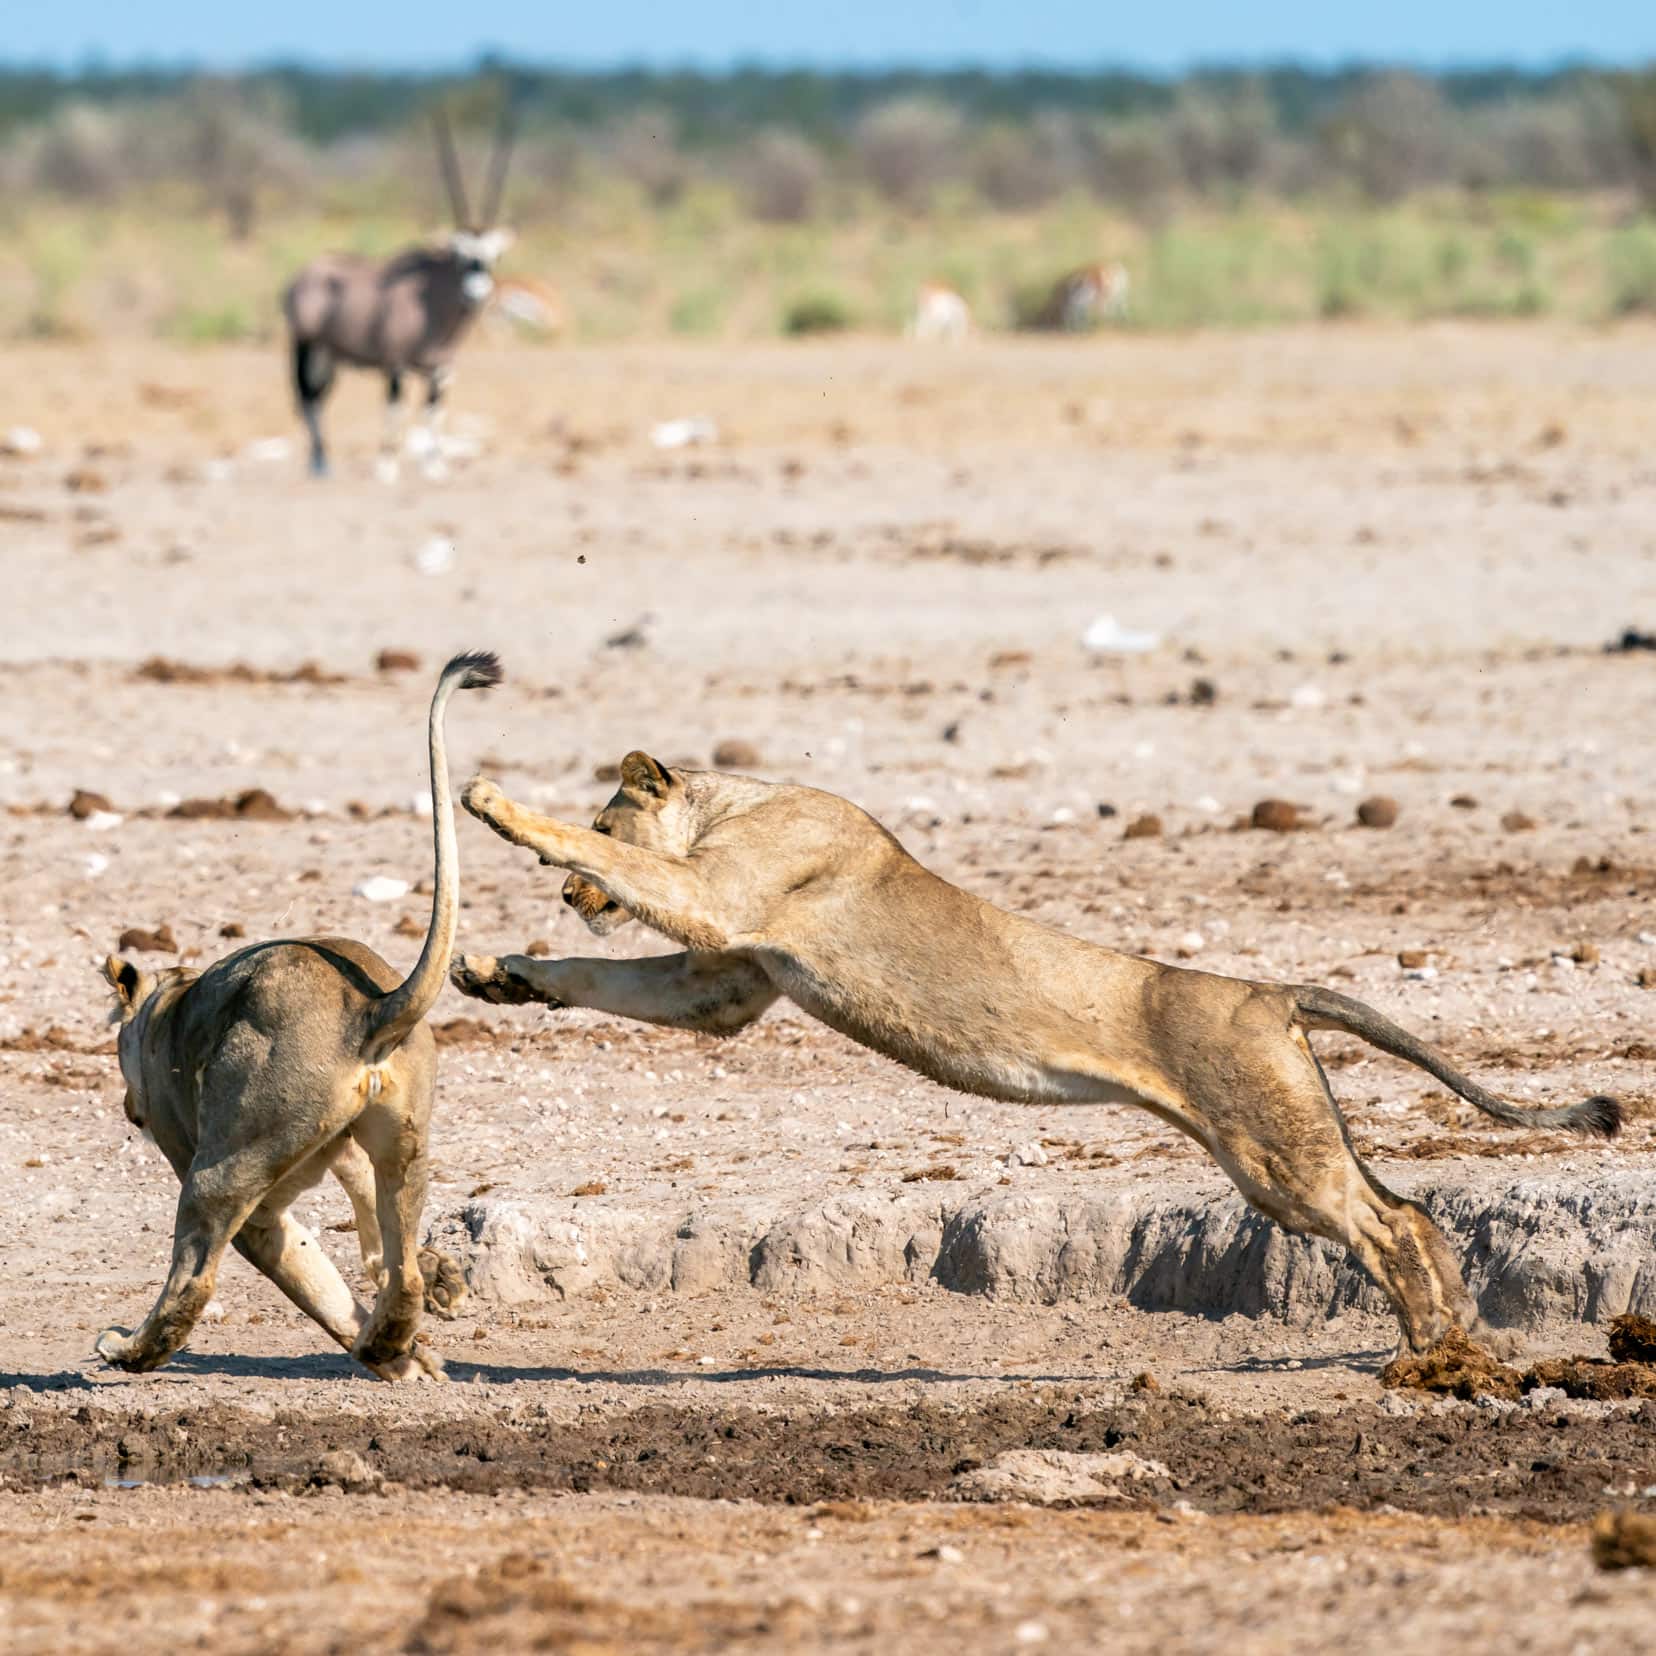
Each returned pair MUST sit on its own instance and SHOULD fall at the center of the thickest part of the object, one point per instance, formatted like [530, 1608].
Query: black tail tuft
[1599, 1115]
[481, 667]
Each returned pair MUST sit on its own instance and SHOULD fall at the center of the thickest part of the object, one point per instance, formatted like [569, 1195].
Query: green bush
[816, 313]
[1630, 262]
[698, 312]
[211, 325]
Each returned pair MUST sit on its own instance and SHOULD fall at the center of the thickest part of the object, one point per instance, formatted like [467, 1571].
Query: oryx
[405, 315]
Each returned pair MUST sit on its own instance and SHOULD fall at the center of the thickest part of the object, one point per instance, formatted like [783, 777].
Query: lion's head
[651, 810]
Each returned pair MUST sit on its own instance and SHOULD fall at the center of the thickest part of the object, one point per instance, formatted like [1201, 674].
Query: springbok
[940, 314]
[1083, 298]
[529, 307]
[405, 315]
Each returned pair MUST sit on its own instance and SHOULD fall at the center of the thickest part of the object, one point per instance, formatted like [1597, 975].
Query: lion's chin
[612, 917]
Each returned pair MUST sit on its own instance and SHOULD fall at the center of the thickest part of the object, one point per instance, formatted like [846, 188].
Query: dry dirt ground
[1393, 559]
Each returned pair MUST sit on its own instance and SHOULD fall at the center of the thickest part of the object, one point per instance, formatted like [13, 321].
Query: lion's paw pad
[445, 1282]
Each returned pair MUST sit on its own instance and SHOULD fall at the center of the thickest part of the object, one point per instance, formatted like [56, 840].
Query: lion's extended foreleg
[715, 993]
[666, 893]
[211, 1208]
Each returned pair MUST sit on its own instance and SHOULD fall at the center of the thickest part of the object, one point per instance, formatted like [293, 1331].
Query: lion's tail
[392, 1018]
[1326, 1009]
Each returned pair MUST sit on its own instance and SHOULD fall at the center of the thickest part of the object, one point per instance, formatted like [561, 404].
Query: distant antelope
[406, 315]
[1081, 299]
[534, 308]
[940, 314]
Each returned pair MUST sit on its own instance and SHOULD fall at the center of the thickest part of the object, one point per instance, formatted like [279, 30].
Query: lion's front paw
[445, 1282]
[116, 1346]
[481, 797]
[484, 978]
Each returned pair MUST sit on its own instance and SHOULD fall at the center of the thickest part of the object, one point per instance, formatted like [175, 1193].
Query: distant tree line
[794, 143]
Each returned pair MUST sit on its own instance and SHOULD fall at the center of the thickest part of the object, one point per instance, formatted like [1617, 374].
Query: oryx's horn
[499, 159]
[451, 172]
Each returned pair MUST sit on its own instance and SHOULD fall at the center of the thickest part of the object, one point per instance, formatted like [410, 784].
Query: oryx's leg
[391, 435]
[715, 993]
[431, 441]
[313, 372]
[666, 893]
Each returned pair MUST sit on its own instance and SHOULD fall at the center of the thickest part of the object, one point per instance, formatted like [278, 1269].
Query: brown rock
[1148, 826]
[397, 661]
[1585, 954]
[593, 1187]
[1145, 1382]
[1277, 816]
[193, 810]
[1412, 958]
[84, 480]
[259, 805]
[735, 754]
[1517, 822]
[232, 928]
[85, 803]
[408, 926]
[539, 949]
[1203, 692]
[159, 941]
[1379, 811]
[1464, 802]
[606, 773]
[1624, 1540]
[1646, 978]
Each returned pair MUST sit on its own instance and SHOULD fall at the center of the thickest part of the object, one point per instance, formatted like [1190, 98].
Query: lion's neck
[714, 797]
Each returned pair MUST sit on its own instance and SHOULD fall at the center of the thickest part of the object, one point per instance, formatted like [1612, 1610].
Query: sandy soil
[1393, 556]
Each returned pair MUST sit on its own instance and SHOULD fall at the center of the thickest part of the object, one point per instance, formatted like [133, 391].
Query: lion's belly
[945, 1036]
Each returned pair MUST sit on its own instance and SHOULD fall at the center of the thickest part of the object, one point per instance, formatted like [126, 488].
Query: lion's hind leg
[398, 1153]
[1284, 1144]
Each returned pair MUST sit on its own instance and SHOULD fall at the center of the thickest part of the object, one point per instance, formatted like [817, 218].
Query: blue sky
[864, 33]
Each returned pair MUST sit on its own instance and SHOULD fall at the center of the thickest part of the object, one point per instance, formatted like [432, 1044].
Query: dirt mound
[1458, 1367]
[50, 1039]
[1624, 1540]
[1594, 1378]
[250, 805]
[164, 670]
[532, 1604]
[1632, 1339]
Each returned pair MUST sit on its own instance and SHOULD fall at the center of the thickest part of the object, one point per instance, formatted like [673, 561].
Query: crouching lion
[782, 890]
[271, 1067]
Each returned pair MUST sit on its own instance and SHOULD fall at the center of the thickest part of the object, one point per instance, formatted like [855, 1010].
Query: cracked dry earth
[1393, 556]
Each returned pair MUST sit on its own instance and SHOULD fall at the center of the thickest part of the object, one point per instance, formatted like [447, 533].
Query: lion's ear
[123, 977]
[644, 777]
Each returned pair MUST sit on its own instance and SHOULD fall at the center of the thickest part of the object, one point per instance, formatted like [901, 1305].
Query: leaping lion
[783, 890]
[278, 1063]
